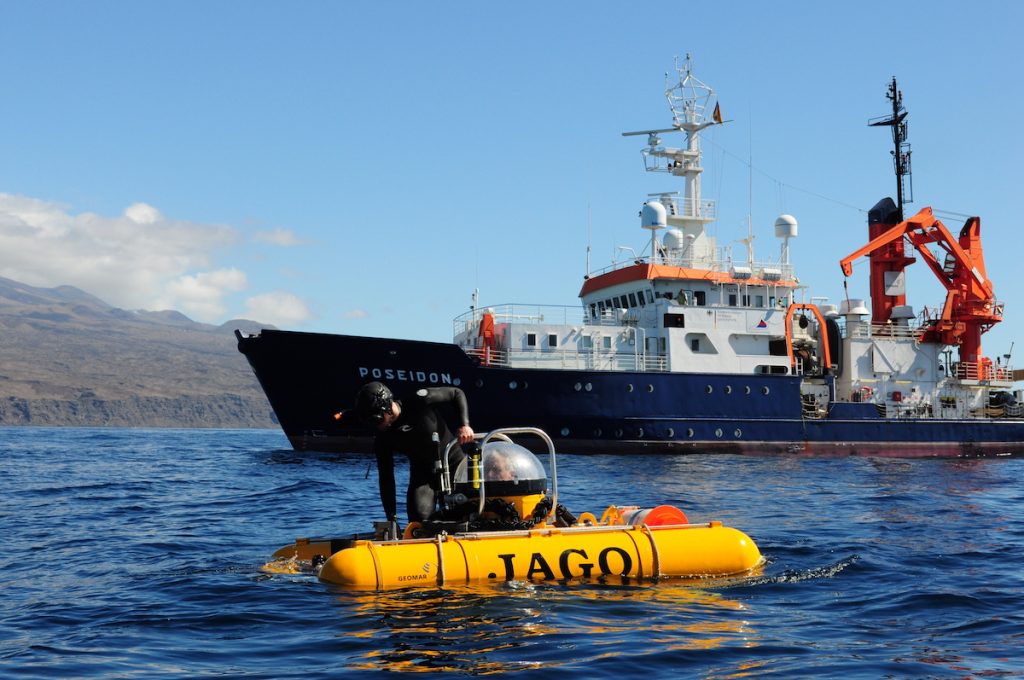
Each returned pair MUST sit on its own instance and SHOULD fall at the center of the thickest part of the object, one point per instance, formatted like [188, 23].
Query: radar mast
[901, 147]
[694, 108]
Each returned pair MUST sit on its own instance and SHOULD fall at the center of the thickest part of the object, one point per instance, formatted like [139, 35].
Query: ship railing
[489, 356]
[864, 331]
[655, 363]
[675, 204]
[908, 411]
[722, 262]
[570, 359]
[927, 410]
[982, 370]
[519, 313]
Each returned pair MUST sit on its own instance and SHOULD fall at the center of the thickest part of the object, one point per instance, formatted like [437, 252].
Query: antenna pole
[901, 148]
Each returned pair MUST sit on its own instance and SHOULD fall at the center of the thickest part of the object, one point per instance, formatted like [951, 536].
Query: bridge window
[531, 339]
[552, 340]
[632, 300]
[699, 298]
[674, 321]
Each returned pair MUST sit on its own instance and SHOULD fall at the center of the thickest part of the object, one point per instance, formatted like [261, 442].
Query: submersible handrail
[503, 433]
[593, 528]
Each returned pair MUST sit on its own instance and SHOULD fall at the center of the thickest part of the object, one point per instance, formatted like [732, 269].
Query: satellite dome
[674, 239]
[653, 215]
[785, 227]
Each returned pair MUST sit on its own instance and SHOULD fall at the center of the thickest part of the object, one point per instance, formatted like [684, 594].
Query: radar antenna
[689, 98]
[901, 147]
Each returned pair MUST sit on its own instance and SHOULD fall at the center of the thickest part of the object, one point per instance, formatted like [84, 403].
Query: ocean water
[137, 553]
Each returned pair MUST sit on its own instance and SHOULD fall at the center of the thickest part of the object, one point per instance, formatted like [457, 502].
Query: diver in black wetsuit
[406, 427]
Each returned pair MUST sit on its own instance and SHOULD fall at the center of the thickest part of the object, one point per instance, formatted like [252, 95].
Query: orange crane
[970, 308]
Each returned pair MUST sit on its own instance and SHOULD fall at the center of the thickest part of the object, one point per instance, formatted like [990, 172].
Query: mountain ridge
[69, 358]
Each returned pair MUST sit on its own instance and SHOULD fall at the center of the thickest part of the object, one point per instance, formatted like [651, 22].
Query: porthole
[689, 432]
[479, 383]
[728, 389]
[588, 387]
[709, 389]
[565, 432]
[618, 433]
[629, 387]
[577, 387]
[746, 390]
[639, 433]
[718, 433]
[650, 388]
[597, 432]
[671, 433]
[737, 433]
[765, 390]
[513, 384]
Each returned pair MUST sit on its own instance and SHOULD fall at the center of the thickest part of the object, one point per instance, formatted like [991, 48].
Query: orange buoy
[659, 516]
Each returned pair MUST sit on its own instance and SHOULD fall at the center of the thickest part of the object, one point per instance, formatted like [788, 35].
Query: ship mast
[901, 147]
[690, 102]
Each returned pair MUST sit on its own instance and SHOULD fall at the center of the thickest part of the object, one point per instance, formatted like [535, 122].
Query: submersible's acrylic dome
[508, 470]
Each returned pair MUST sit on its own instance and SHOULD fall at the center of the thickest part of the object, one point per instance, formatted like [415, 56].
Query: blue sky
[361, 167]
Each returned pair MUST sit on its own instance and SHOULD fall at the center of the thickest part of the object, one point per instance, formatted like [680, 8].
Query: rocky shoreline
[69, 359]
[223, 411]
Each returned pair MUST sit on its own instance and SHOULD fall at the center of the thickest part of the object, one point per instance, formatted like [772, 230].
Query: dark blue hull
[310, 376]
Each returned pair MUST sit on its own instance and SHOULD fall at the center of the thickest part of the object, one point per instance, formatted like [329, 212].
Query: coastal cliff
[68, 358]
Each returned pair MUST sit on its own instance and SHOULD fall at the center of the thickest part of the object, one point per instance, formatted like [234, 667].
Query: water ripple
[136, 554]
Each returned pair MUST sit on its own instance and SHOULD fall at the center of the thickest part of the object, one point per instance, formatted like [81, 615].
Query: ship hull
[308, 377]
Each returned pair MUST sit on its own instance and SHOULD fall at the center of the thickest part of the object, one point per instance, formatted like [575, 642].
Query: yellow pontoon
[499, 488]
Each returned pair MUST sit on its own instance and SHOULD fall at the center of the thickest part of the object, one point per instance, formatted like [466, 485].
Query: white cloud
[278, 237]
[201, 296]
[356, 314]
[278, 308]
[137, 260]
[140, 213]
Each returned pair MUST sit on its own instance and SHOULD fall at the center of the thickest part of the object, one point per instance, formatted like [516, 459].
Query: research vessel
[686, 348]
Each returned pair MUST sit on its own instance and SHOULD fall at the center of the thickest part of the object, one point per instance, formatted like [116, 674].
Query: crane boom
[970, 308]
